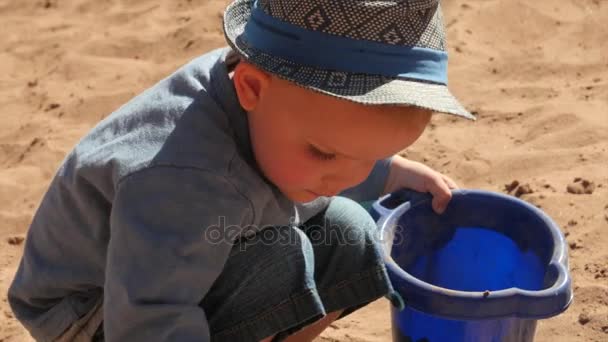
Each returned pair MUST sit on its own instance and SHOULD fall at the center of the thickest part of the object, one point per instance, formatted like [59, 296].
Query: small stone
[523, 190]
[581, 187]
[52, 106]
[189, 44]
[583, 318]
[511, 186]
[572, 223]
[15, 240]
[35, 141]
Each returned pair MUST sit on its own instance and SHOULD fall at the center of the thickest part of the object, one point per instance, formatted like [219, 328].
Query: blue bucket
[485, 270]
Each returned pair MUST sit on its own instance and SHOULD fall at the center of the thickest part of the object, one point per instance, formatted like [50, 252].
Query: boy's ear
[250, 83]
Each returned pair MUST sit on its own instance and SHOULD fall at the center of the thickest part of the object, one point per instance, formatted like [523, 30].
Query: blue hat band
[293, 43]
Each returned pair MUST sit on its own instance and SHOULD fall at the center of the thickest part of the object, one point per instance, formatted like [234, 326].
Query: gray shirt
[144, 210]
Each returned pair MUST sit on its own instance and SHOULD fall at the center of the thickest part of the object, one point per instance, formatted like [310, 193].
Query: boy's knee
[346, 212]
[272, 251]
[345, 222]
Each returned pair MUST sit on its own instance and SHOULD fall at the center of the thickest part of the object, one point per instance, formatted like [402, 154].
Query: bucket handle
[401, 200]
[390, 202]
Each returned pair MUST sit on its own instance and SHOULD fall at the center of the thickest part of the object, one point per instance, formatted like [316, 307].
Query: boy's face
[312, 145]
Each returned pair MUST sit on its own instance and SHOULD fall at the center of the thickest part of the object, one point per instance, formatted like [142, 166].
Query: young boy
[205, 209]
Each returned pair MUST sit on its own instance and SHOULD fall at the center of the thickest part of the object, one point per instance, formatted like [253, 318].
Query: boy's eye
[320, 154]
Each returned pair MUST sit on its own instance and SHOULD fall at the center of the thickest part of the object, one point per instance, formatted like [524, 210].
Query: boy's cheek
[296, 175]
[293, 174]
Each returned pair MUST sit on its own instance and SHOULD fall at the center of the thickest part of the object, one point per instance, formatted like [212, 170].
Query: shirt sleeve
[171, 234]
[373, 186]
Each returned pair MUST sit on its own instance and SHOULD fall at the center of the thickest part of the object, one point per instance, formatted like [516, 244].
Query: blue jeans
[285, 278]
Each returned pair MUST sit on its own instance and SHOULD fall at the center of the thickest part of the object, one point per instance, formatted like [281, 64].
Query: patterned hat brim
[356, 87]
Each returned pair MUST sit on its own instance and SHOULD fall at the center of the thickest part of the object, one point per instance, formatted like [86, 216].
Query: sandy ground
[534, 71]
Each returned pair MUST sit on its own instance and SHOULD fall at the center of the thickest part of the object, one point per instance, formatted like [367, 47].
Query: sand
[535, 73]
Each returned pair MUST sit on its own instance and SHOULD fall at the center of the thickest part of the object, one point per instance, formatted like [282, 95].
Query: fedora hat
[372, 52]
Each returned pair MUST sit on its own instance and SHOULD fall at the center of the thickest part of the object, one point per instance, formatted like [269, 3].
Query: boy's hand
[416, 176]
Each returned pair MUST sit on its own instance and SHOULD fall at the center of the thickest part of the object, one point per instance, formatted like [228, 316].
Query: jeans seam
[357, 277]
[265, 314]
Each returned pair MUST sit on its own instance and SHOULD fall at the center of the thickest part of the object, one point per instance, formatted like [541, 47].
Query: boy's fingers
[451, 184]
[441, 194]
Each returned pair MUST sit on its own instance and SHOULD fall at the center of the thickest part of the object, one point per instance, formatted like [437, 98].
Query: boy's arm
[394, 173]
[170, 238]
[416, 176]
